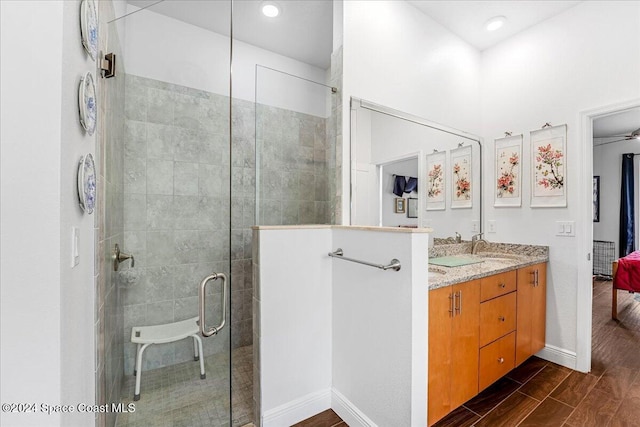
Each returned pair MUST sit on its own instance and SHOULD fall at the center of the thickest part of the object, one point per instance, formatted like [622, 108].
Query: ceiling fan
[633, 135]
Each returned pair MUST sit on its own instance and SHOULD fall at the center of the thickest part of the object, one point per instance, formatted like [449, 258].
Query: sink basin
[493, 256]
[435, 273]
[455, 260]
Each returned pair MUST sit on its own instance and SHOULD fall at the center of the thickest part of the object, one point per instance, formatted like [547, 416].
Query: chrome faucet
[476, 239]
[458, 238]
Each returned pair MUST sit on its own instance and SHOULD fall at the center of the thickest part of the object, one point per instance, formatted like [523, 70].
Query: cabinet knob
[502, 285]
[501, 360]
[501, 318]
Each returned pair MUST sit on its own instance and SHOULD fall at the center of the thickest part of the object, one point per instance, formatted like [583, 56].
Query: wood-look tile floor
[542, 394]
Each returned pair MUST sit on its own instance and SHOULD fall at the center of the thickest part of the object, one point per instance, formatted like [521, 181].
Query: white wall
[47, 350]
[294, 323]
[30, 214]
[379, 325]
[396, 56]
[172, 51]
[607, 163]
[339, 334]
[550, 73]
[77, 290]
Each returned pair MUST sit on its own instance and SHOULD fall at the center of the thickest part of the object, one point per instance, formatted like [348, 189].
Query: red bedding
[628, 275]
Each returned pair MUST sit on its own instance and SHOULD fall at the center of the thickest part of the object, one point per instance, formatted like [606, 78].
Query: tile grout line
[533, 409]
[510, 394]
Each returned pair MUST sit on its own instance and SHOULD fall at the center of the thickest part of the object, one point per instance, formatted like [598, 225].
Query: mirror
[389, 148]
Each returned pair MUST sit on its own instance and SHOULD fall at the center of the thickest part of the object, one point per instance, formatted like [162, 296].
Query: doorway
[584, 293]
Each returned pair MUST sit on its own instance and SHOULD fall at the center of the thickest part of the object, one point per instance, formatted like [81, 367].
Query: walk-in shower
[191, 157]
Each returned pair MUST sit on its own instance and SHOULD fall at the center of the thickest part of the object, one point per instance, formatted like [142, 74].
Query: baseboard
[558, 355]
[297, 410]
[349, 413]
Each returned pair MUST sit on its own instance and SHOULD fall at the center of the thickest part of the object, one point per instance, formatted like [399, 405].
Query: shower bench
[144, 336]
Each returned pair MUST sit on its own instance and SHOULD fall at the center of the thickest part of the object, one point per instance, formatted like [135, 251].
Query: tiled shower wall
[176, 209]
[295, 157]
[109, 161]
[176, 184]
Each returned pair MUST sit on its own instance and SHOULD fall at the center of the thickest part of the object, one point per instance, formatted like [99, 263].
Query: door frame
[584, 262]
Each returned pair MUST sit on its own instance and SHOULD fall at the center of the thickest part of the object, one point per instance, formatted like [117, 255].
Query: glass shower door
[170, 177]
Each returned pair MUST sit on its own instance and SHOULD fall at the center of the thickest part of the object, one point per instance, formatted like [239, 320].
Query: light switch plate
[475, 226]
[491, 226]
[566, 228]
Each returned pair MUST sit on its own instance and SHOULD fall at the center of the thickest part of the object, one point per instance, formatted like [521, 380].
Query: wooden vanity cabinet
[453, 347]
[531, 311]
[480, 330]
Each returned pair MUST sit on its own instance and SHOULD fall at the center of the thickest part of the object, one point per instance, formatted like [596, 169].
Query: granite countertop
[496, 258]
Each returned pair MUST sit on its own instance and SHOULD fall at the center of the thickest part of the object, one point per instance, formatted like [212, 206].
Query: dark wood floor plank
[461, 417]
[510, 412]
[550, 413]
[326, 418]
[492, 396]
[527, 369]
[574, 388]
[628, 414]
[543, 383]
[596, 410]
[616, 381]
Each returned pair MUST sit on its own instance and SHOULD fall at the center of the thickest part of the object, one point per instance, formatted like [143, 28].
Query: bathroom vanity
[486, 316]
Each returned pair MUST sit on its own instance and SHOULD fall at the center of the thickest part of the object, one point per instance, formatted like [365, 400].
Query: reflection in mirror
[389, 149]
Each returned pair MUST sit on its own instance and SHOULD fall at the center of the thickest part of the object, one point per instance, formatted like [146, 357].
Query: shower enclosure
[191, 157]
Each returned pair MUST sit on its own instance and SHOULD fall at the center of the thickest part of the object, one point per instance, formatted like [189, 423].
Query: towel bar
[394, 264]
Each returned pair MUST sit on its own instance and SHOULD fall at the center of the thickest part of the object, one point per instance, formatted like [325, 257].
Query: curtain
[627, 229]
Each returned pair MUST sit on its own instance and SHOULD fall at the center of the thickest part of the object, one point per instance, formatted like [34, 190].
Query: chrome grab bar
[394, 264]
[119, 257]
[204, 331]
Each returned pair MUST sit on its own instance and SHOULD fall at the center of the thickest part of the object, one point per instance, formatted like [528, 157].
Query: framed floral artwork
[461, 185]
[549, 167]
[508, 179]
[436, 182]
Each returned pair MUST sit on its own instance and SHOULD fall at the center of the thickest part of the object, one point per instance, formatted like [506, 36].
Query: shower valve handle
[119, 257]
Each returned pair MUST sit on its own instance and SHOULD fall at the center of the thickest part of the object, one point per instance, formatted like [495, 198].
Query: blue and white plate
[87, 183]
[87, 103]
[89, 27]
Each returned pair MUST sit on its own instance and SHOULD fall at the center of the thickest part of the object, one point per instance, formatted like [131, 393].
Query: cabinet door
[531, 315]
[439, 383]
[539, 309]
[464, 342]
[526, 282]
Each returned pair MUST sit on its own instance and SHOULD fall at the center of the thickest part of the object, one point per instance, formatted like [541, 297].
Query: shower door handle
[204, 330]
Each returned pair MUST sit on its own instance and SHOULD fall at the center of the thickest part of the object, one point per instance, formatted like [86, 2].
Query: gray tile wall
[178, 174]
[334, 131]
[293, 172]
[176, 210]
[109, 218]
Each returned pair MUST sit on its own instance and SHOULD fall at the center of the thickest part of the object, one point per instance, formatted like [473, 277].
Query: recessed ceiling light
[495, 23]
[270, 9]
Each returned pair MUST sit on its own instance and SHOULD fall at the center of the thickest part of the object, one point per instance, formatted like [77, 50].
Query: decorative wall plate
[87, 103]
[87, 183]
[89, 27]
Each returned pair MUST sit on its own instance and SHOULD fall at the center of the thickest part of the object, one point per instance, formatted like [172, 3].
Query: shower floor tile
[176, 396]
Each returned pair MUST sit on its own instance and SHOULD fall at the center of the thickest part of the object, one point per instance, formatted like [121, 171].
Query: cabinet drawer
[497, 318]
[496, 285]
[496, 360]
